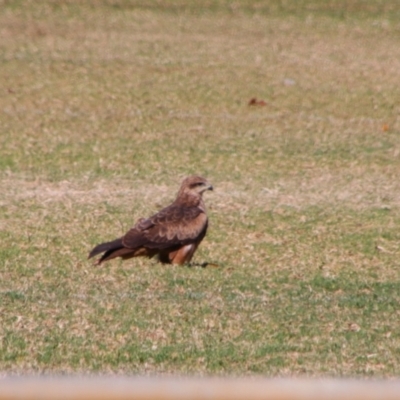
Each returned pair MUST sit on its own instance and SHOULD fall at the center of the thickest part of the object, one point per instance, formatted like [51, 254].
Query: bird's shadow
[203, 265]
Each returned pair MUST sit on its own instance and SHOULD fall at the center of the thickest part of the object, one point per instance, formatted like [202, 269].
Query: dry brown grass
[105, 108]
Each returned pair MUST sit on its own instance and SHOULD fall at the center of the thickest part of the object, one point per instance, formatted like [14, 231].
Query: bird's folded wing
[172, 226]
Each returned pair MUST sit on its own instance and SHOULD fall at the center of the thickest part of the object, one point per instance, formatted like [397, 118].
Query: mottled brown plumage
[173, 234]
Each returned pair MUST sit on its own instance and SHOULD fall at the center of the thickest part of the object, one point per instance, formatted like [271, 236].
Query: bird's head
[194, 186]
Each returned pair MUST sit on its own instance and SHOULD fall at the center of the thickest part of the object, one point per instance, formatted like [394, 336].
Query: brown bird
[173, 234]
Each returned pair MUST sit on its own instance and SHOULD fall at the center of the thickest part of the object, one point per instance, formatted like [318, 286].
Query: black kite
[173, 234]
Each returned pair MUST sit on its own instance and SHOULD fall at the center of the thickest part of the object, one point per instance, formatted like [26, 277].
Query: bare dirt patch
[358, 191]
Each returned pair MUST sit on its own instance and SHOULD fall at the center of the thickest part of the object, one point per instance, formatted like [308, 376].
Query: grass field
[106, 105]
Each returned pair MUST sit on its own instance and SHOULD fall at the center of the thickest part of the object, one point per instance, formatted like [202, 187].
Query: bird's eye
[197, 184]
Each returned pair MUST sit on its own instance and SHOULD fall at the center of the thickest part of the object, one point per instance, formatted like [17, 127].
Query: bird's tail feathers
[106, 247]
